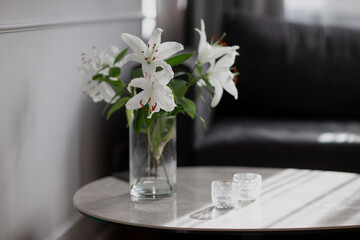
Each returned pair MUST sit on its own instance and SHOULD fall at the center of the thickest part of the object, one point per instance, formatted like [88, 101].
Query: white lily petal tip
[159, 29]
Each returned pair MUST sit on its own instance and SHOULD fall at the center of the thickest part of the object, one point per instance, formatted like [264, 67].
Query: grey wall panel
[50, 133]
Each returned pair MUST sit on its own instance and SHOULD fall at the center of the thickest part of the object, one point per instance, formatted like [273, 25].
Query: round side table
[292, 200]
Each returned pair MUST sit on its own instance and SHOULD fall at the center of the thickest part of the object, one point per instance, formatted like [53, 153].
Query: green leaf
[137, 73]
[179, 86]
[189, 107]
[116, 83]
[119, 104]
[193, 80]
[176, 111]
[98, 76]
[174, 61]
[202, 120]
[148, 121]
[108, 105]
[120, 55]
[199, 69]
[114, 72]
[178, 74]
[139, 117]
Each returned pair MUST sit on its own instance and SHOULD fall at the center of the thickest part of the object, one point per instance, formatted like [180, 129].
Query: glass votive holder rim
[222, 181]
[246, 176]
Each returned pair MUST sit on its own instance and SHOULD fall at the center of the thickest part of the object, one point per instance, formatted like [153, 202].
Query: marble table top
[291, 200]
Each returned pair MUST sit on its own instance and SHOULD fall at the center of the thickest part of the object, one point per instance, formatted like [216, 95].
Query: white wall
[51, 134]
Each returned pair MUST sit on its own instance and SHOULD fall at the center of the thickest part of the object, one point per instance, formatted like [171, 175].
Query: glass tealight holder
[223, 194]
[248, 187]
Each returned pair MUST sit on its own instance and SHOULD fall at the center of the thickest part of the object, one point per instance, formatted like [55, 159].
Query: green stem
[192, 76]
[138, 179]
[156, 167]
[193, 70]
[157, 151]
[149, 157]
[167, 177]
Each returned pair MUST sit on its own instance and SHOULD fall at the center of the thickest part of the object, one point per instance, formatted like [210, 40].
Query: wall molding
[68, 22]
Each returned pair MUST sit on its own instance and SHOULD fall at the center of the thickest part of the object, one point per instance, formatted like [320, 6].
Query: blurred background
[298, 106]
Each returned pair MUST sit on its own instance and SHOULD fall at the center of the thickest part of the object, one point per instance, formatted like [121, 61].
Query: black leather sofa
[299, 98]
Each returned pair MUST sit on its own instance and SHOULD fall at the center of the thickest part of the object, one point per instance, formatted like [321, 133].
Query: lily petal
[92, 91]
[202, 41]
[135, 43]
[113, 49]
[230, 87]
[132, 57]
[214, 53]
[218, 92]
[162, 77]
[227, 60]
[154, 109]
[167, 49]
[201, 83]
[97, 98]
[165, 66]
[134, 102]
[107, 92]
[139, 83]
[164, 98]
[148, 68]
[221, 73]
[155, 38]
[212, 65]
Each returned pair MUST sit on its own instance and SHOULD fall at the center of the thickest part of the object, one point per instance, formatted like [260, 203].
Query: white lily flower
[155, 93]
[207, 52]
[220, 77]
[98, 91]
[103, 58]
[153, 54]
[95, 90]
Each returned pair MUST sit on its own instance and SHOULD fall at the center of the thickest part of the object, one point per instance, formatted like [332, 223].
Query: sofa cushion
[326, 145]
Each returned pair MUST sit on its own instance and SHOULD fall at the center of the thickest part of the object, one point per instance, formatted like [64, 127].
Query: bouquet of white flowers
[155, 90]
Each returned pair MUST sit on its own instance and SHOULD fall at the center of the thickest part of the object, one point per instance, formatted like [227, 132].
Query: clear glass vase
[153, 159]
